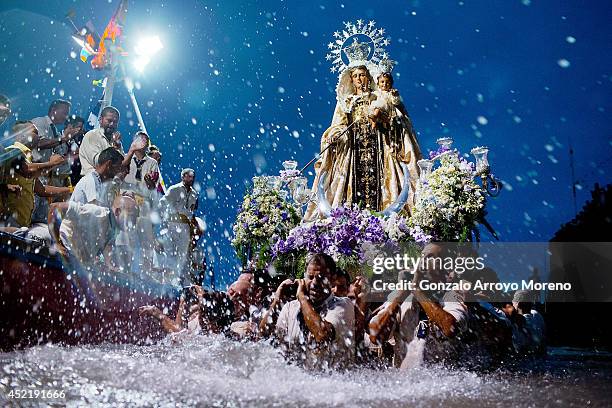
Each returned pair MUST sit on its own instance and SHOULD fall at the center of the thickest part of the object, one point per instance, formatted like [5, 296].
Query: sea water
[215, 371]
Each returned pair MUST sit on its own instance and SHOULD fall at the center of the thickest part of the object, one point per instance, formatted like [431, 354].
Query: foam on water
[216, 371]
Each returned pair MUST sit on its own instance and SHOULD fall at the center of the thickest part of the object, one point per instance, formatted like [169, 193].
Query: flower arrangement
[264, 213]
[449, 202]
[351, 236]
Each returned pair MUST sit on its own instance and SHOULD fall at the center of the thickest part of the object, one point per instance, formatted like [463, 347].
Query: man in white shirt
[52, 141]
[317, 327]
[91, 189]
[179, 205]
[88, 230]
[181, 199]
[443, 322]
[141, 180]
[96, 140]
[143, 171]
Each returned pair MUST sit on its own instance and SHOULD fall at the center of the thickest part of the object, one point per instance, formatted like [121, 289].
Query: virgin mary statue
[370, 144]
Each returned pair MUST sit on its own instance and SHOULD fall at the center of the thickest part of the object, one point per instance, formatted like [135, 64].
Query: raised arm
[45, 143]
[380, 325]
[49, 191]
[436, 314]
[31, 170]
[321, 330]
[138, 144]
[169, 325]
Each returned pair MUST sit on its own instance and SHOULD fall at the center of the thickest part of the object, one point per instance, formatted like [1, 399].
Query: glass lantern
[480, 154]
[290, 165]
[274, 182]
[425, 167]
[445, 142]
[258, 183]
[300, 193]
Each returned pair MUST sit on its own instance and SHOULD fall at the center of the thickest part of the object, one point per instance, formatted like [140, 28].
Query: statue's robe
[349, 164]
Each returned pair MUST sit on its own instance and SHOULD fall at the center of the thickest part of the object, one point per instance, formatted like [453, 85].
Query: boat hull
[43, 300]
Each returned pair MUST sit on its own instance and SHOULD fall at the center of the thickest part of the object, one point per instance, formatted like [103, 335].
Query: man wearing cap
[180, 204]
[19, 176]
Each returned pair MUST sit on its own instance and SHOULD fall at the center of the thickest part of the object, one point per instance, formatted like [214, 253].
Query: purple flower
[439, 151]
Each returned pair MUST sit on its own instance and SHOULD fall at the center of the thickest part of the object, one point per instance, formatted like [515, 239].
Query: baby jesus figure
[388, 105]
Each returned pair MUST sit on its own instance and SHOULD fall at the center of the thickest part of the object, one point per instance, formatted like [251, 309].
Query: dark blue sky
[242, 86]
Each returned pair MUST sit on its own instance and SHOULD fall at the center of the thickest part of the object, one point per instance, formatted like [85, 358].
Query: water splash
[215, 371]
[414, 354]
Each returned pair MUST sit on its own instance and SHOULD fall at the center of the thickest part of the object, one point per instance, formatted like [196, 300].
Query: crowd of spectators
[82, 195]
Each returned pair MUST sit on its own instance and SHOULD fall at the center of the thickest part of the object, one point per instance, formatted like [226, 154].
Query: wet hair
[447, 249]
[110, 153]
[386, 75]
[142, 133]
[57, 103]
[110, 109]
[74, 120]
[155, 149]
[323, 259]
[342, 273]
[187, 170]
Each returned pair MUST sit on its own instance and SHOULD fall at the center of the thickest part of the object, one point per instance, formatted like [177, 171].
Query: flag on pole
[112, 33]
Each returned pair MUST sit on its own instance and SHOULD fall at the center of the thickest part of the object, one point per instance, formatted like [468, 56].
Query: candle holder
[274, 182]
[425, 167]
[445, 142]
[290, 164]
[482, 163]
[491, 184]
[298, 189]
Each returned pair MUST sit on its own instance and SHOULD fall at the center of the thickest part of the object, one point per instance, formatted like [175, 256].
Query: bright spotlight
[145, 49]
[141, 62]
[148, 46]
